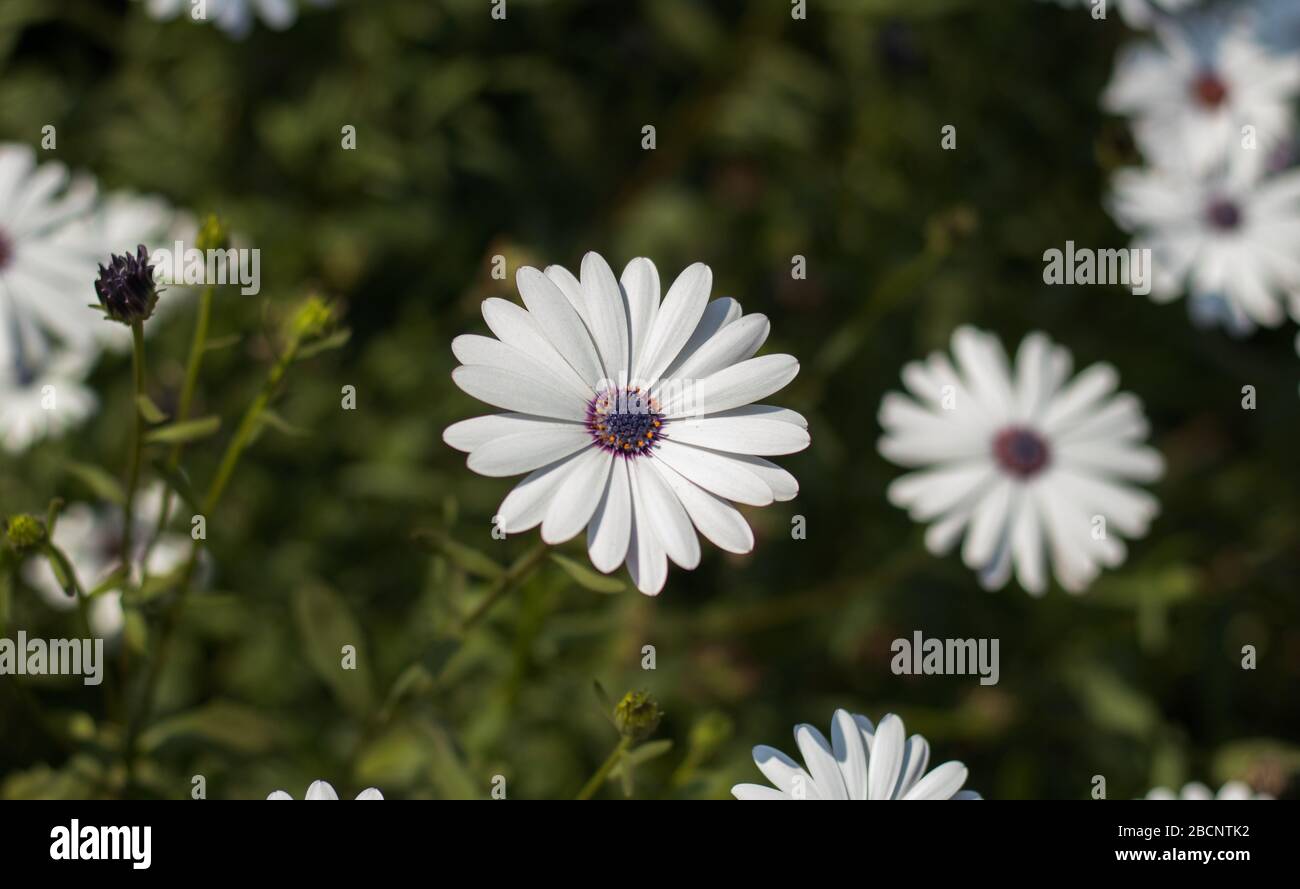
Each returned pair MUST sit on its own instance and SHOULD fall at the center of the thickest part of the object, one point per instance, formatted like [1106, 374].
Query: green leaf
[180, 433]
[103, 485]
[326, 626]
[109, 583]
[645, 752]
[224, 342]
[224, 723]
[587, 578]
[335, 340]
[150, 411]
[270, 418]
[463, 557]
[179, 482]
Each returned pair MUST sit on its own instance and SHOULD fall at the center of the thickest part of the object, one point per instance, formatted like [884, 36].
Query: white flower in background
[1197, 790]
[54, 233]
[635, 419]
[1230, 240]
[323, 790]
[1190, 100]
[1136, 13]
[42, 394]
[861, 761]
[235, 17]
[92, 539]
[1027, 463]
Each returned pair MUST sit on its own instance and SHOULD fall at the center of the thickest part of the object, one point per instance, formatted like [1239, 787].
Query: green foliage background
[522, 137]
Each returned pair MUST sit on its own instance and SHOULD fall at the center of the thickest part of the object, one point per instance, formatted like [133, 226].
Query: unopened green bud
[637, 715]
[212, 235]
[25, 532]
[311, 320]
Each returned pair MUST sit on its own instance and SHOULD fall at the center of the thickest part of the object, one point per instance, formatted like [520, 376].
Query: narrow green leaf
[464, 557]
[587, 578]
[326, 625]
[224, 723]
[179, 433]
[280, 424]
[179, 482]
[335, 340]
[103, 485]
[150, 411]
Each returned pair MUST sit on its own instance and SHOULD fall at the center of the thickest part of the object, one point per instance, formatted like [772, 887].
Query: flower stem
[514, 577]
[137, 436]
[602, 773]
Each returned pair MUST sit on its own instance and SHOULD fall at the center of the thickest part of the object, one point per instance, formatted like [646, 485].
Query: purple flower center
[625, 421]
[1223, 214]
[1209, 89]
[1021, 452]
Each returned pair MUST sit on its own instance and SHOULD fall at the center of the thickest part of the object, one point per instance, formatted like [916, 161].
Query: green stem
[137, 436]
[602, 773]
[198, 346]
[514, 577]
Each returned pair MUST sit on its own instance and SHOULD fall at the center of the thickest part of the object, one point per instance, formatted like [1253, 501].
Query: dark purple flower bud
[126, 288]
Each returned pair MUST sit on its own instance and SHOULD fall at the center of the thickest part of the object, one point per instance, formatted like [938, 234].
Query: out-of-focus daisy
[861, 761]
[1197, 790]
[1136, 13]
[92, 540]
[635, 419]
[1027, 463]
[323, 790]
[42, 394]
[53, 232]
[1192, 100]
[1231, 240]
[235, 17]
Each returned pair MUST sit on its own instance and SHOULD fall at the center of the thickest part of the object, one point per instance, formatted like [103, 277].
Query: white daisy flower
[1190, 100]
[53, 234]
[635, 419]
[1231, 240]
[92, 541]
[323, 790]
[235, 17]
[861, 761]
[41, 386]
[1197, 790]
[1026, 463]
[1136, 13]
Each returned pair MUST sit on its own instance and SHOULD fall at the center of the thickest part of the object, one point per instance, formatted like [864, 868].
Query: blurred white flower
[54, 233]
[1136, 13]
[1197, 790]
[1027, 463]
[1205, 104]
[323, 790]
[42, 393]
[235, 17]
[1231, 240]
[92, 540]
[861, 761]
[635, 419]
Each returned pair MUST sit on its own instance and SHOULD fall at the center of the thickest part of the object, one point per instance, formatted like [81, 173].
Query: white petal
[741, 435]
[607, 316]
[640, 282]
[784, 773]
[320, 790]
[942, 783]
[886, 758]
[756, 791]
[663, 512]
[526, 451]
[719, 521]
[562, 324]
[676, 320]
[735, 386]
[526, 504]
[731, 345]
[279, 794]
[471, 349]
[717, 315]
[517, 392]
[513, 325]
[916, 757]
[467, 435]
[611, 526]
[820, 761]
[370, 793]
[988, 525]
[724, 475]
[781, 483]
[646, 560]
[850, 752]
[576, 501]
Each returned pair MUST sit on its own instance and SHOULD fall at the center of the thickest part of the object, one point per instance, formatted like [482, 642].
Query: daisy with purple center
[1029, 465]
[633, 417]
